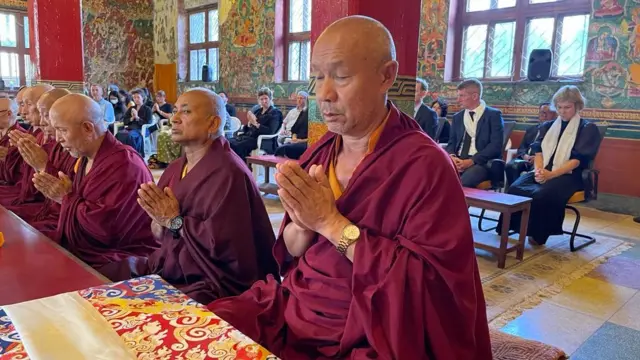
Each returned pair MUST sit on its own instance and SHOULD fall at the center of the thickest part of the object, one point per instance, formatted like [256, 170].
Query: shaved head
[20, 101]
[44, 106]
[200, 115]
[354, 62]
[78, 123]
[8, 113]
[30, 98]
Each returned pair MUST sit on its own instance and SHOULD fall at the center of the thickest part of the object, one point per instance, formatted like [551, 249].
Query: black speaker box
[207, 74]
[540, 65]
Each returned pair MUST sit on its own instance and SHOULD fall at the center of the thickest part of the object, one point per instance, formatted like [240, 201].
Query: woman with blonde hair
[563, 149]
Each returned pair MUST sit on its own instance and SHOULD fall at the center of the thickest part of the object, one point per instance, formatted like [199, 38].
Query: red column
[55, 28]
[401, 17]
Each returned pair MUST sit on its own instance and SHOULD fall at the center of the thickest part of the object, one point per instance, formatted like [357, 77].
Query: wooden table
[32, 266]
[505, 204]
[268, 162]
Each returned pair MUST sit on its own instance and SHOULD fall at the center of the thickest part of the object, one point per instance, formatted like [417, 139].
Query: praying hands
[15, 136]
[162, 206]
[307, 197]
[55, 188]
[252, 119]
[33, 154]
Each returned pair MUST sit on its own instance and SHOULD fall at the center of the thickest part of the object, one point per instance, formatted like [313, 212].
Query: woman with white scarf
[563, 149]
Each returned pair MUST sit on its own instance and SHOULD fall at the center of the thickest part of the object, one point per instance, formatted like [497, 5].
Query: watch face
[176, 223]
[351, 232]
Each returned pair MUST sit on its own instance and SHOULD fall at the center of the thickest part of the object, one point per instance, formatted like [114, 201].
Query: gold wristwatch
[350, 234]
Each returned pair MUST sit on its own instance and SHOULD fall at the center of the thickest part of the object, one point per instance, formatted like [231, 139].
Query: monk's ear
[389, 72]
[88, 126]
[215, 124]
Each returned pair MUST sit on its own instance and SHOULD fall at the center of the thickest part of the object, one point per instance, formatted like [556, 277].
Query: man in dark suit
[477, 134]
[426, 118]
[523, 161]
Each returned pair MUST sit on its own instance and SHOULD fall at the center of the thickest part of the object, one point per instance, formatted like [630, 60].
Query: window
[494, 38]
[298, 40]
[204, 33]
[15, 62]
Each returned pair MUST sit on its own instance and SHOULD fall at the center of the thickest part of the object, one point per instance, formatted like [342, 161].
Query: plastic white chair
[234, 125]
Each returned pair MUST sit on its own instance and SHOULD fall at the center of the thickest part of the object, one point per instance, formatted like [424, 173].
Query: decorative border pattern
[14, 4]
[404, 88]
[73, 86]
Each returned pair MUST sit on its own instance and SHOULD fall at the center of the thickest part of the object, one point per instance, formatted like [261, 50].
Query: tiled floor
[597, 317]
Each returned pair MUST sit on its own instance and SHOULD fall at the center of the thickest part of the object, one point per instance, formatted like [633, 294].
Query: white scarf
[562, 147]
[471, 126]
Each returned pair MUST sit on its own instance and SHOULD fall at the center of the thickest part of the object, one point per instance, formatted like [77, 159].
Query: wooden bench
[268, 162]
[505, 204]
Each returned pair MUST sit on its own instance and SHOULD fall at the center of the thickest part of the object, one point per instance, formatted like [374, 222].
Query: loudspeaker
[539, 65]
[207, 73]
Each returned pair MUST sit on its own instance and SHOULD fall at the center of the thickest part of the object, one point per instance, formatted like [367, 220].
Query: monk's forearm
[297, 239]
[332, 231]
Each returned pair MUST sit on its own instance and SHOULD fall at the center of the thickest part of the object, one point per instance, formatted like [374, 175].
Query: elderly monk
[20, 101]
[8, 123]
[100, 221]
[207, 211]
[31, 97]
[372, 266]
[42, 213]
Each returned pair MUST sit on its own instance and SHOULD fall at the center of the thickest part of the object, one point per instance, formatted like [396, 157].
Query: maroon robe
[24, 191]
[226, 239]
[44, 215]
[413, 290]
[10, 167]
[100, 220]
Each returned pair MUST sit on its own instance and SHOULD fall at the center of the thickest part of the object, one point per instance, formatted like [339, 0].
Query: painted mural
[118, 42]
[165, 21]
[13, 4]
[612, 70]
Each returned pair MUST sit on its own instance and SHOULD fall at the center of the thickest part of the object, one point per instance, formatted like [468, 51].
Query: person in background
[563, 149]
[296, 145]
[523, 161]
[97, 94]
[147, 96]
[126, 98]
[266, 120]
[231, 110]
[134, 118]
[425, 116]
[293, 116]
[8, 123]
[477, 134]
[441, 108]
[119, 107]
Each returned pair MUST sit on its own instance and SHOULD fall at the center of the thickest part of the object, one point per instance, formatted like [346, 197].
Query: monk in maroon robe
[30, 205]
[379, 273]
[100, 221]
[8, 123]
[216, 238]
[14, 169]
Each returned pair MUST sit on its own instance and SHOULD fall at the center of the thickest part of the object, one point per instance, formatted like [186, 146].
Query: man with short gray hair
[206, 211]
[8, 122]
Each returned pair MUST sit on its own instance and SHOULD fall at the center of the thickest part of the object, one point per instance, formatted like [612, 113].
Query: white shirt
[289, 121]
[415, 110]
[471, 125]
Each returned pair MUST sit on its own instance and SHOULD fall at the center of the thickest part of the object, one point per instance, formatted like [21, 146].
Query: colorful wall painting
[118, 42]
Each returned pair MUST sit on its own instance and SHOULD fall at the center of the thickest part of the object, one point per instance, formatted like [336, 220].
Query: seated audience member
[126, 99]
[426, 117]
[100, 221]
[292, 117]
[97, 94]
[564, 148]
[441, 108]
[42, 213]
[8, 122]
[162, 109]
[266, 120]
[119, 107]
[357, 284]
[147, 97]
[295, 142]
[207, 212]
[477, 134]
[134, 118]
[231, 110]
[523, 161]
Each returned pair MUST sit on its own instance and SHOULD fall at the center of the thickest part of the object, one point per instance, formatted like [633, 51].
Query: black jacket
[489, 139]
